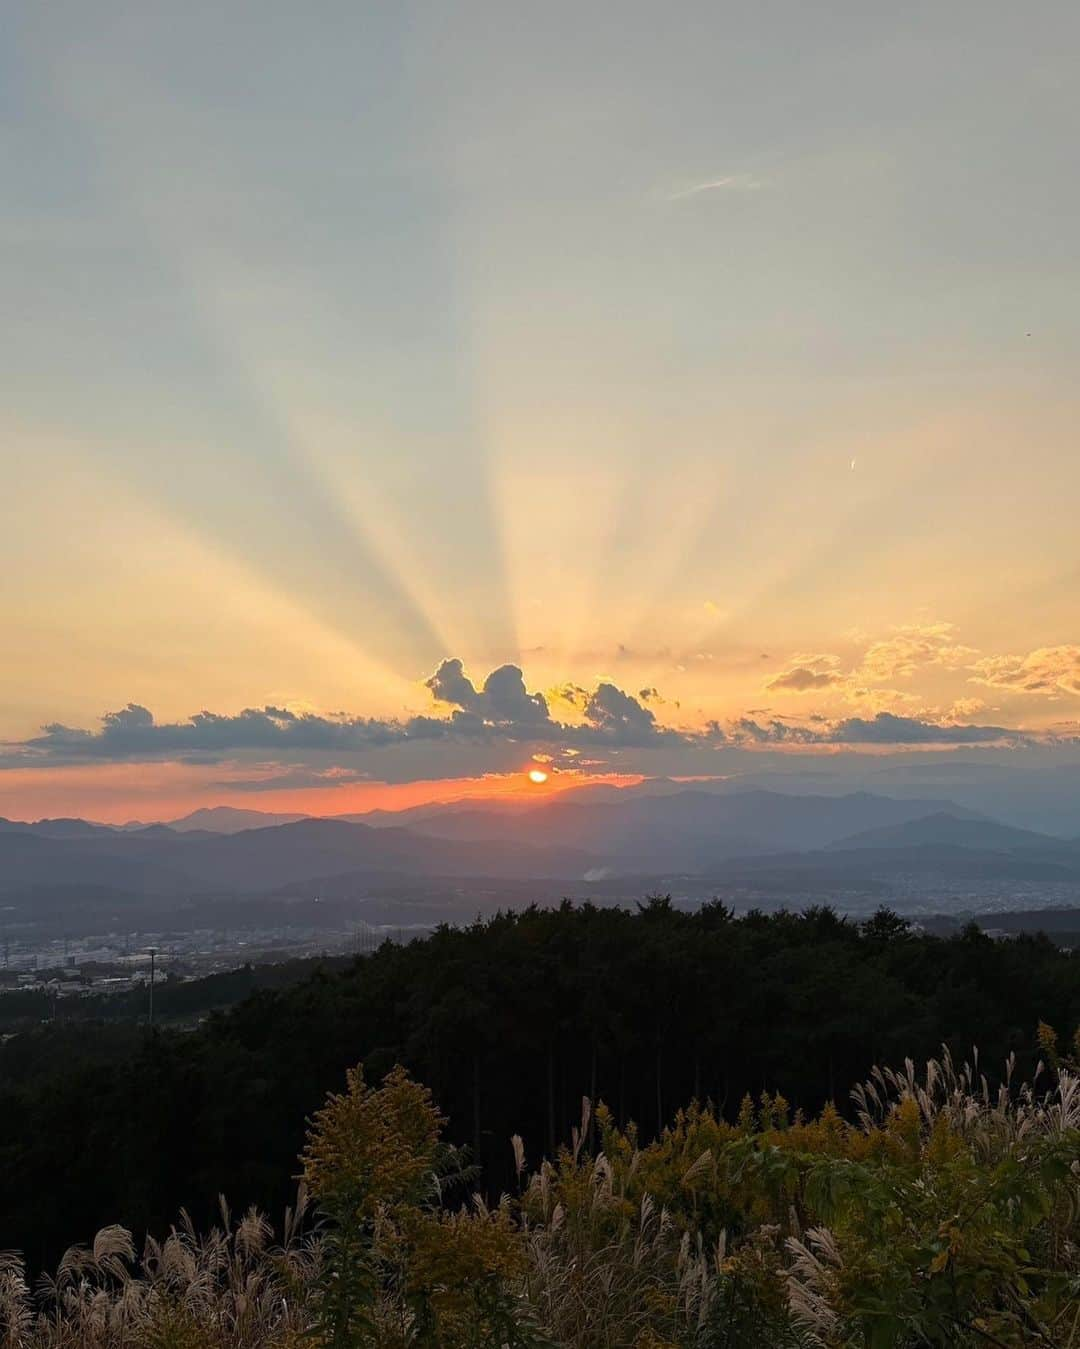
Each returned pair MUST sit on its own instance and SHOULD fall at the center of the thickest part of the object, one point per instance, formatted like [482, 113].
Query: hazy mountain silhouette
[229, 820]
[690, 829]
[160, 860]
[64, 828]
[944, 828]
[30, 860]
[760, 839]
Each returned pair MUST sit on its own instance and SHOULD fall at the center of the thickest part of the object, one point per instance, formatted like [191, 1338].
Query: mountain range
[577, 838]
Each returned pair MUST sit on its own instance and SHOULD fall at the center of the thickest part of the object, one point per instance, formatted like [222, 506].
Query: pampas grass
[950, 1209]
[232, 1287]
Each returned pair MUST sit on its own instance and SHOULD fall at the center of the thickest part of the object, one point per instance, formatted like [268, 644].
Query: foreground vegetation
[510, 1023]
[948, 1214]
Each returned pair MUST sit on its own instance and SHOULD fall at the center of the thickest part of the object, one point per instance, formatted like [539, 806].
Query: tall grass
[233, 1287]
[946, 1214]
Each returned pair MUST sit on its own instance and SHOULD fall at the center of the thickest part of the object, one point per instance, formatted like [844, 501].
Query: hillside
[607, 844]
[160, 861]
[689, 829]
[510, 1022]
[686, 831]
[946, 828]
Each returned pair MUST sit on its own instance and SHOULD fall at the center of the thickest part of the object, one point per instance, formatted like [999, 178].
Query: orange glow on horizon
[119, 793]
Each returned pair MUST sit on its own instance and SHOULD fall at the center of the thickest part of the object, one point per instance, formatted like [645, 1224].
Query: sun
[538, 776]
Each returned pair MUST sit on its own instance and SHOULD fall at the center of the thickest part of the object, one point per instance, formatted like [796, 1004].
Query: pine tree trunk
[476, 1106]
[659, 1095]
[592, 1101]
[551, 1099]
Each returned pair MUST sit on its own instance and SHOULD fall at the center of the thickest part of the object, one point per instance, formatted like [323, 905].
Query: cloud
[803, 679]
[1049, 670]
[611, 716]
[882, 699]
[809, 672]
[732, 182]
[884, 729]
[774, 732]
[888, 729]
[965, 707]
[132, 734]
[128, 718]
[573, 695]
[908, 649]
[619, 718]
[311, 749]
[450, 684]
[282, 777]
[503, 700]
[506, 699]
[501, 710]
[911, 647]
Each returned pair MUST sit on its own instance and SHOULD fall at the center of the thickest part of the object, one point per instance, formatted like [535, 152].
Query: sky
[394, 394]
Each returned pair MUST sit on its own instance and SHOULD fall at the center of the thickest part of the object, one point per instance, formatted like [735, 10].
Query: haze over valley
[306, 884]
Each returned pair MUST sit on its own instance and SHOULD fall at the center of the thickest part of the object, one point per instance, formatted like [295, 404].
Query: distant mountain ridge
[754, 839]
[161, 861]
[692, 829]
[229, 820]
[62, 828]
[944, 828]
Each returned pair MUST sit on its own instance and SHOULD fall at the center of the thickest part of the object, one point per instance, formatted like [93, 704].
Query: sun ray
[199, 602]
[293, 522]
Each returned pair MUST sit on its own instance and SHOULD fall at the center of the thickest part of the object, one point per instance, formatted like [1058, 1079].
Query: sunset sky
[707, 372]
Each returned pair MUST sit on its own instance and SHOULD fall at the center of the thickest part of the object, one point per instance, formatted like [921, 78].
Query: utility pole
[153, 959]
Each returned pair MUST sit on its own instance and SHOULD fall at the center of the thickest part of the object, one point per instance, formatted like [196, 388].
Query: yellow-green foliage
[946, 1215]
[401, 1270]
[372, 1145]
[459, 1261]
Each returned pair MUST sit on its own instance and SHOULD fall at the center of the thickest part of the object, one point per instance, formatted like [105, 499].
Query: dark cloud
[128, 717]
[802, 679]
[503, 700]
[619, 718]
[611, 715]
[450, 684]
[888, 729]
[885, 729]
[500, 712]
[774, 732]
[281, 777]
[133, 734]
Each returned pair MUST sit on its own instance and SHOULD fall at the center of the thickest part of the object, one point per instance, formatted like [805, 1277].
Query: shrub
[946, 1214]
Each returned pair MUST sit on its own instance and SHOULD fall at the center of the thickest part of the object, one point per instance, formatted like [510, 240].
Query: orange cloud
[1049, 670]
[911, 647]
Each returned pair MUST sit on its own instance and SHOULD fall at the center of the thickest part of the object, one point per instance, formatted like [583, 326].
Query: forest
[509, 1022]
